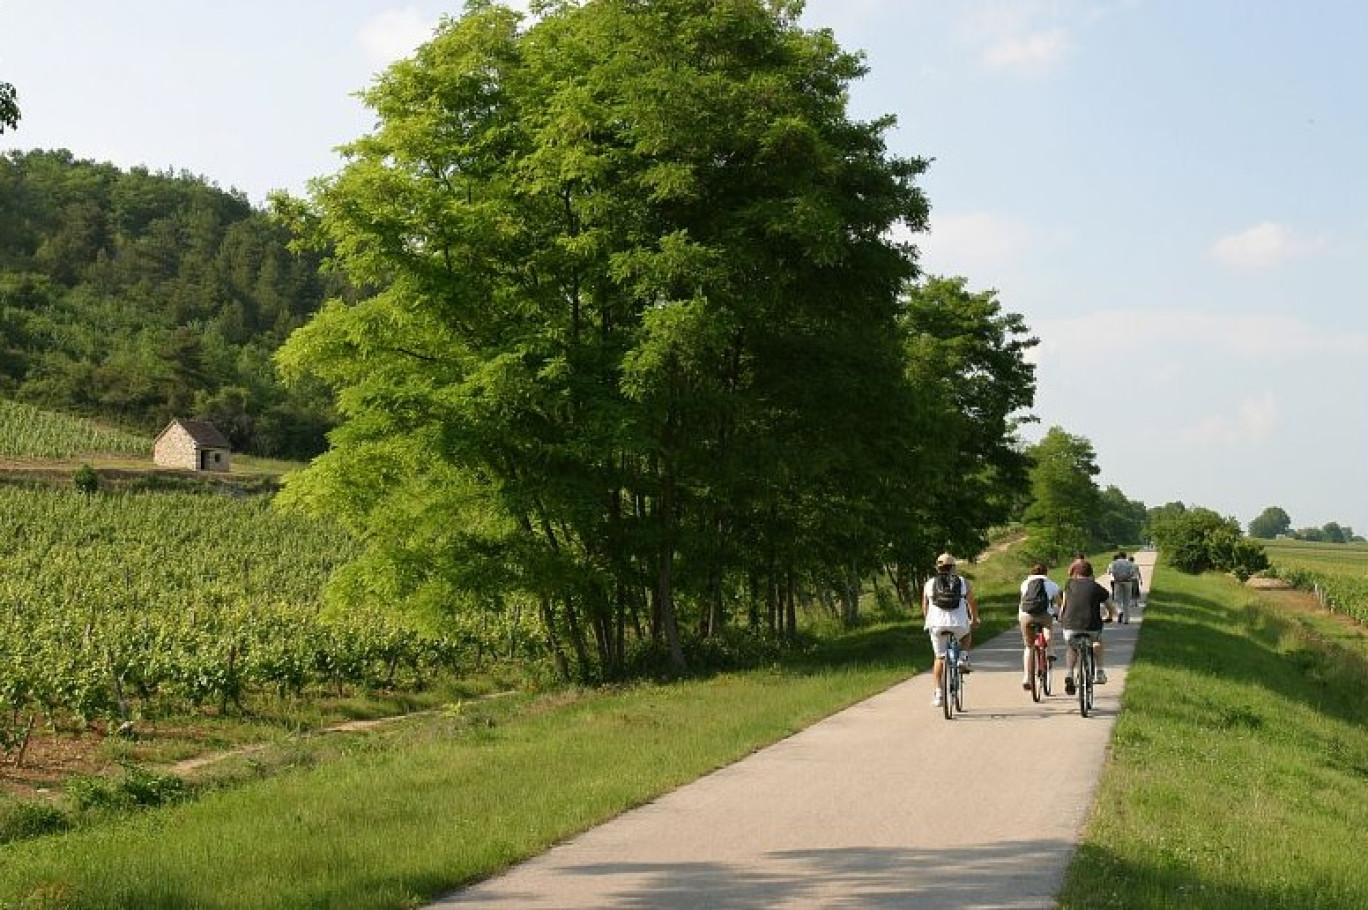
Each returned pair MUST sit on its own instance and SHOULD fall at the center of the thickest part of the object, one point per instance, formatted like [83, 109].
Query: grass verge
[1239, 768]
[401, 815]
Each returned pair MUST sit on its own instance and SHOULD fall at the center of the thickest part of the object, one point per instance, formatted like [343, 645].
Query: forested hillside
[137, 297]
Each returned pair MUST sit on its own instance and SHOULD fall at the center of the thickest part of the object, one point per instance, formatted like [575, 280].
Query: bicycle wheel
[1047, 671]
[959, 690]
[947, 682]
[1085, 672]
[1033, 668]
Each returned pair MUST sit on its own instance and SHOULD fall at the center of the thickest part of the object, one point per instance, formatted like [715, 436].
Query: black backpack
[945, 591]
[1036, 600]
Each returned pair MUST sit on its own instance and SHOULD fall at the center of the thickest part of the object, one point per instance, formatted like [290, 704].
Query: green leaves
[637, 301]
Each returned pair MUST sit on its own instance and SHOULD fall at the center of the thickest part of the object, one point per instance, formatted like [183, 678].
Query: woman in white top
[938, 615]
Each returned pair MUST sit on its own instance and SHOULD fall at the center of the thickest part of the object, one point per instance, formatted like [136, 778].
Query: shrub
[86, 480]
[23, 820]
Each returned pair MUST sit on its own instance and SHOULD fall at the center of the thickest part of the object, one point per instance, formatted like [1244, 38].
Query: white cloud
[1173, 334]
[1021, 36]
[1037, 51]
[972, 243]
[394, 34]
[1265, 244]
[1253, 420]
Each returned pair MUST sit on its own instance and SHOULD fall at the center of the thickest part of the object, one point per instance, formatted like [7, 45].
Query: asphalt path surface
[885, 804]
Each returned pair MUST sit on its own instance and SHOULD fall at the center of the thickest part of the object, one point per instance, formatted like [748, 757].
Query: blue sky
[1171, 192]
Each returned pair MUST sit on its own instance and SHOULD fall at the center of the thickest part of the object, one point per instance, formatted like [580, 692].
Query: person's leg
[1098, 675]
[938, 648]
[1024, 621]
[1070, 660]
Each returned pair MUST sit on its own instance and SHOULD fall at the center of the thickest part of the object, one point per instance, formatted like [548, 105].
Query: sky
[1172, 193]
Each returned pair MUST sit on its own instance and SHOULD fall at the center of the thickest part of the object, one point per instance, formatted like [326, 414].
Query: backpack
[946, 591]
[1122, 570]
[1036, 600]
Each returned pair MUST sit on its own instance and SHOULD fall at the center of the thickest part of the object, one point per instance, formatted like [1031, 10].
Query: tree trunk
[553, 645]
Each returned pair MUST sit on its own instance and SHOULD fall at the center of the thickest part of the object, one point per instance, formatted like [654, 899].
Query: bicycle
[1084, 665]
[1041, 670]
[952, 680]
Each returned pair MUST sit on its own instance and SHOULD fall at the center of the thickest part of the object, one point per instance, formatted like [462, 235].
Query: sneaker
[1068, 685]
[1051, 658]
[1026, 684]
[1100, 678]
[1121, 617]
[964, 664]
[936, 699]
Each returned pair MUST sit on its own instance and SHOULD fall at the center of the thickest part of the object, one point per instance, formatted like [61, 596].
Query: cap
[945, 559]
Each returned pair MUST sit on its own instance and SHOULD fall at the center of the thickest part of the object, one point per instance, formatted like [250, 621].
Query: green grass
[404, 815]
[1238, 776]
[1239, 768]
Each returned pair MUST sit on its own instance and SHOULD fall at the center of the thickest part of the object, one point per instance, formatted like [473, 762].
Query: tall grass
[1239, 768]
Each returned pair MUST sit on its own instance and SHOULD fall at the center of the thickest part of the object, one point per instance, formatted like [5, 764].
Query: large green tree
[9, 107]
[966, 361]
[1269, 523]
[633, 352]
[1065, 500]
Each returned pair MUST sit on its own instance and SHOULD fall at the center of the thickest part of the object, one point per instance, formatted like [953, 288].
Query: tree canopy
[1065, 501]
[640, 348]
[1271, 522]
[9, 107]
[137, 297]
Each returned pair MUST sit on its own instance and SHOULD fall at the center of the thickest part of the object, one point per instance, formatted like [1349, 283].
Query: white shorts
[939, 644]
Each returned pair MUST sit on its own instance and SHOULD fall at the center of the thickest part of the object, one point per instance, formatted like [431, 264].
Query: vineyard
[27, 432]
[131, 606]
[1338, 573]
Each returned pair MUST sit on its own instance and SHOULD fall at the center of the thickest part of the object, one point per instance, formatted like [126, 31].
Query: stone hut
[192, 445]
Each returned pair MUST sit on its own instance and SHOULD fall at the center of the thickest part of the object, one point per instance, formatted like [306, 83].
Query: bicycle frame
[952, 681]
[1082, 642]
[1040, 662]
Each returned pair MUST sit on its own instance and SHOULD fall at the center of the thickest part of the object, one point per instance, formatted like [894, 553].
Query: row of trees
[1066, 511]
[137, 297]
[644, 354]
[1274, 522]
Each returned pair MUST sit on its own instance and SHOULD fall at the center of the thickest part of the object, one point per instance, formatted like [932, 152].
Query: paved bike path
[854, 812]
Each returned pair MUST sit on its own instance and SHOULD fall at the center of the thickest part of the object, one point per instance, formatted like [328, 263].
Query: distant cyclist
[1125, 578]
[1082, 612]
[948, 603]
[1039, 603]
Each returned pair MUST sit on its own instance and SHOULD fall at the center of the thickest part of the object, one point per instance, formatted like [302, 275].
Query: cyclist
[1082, 612]
[948, 603]
[1124, 578]
[1036, 590]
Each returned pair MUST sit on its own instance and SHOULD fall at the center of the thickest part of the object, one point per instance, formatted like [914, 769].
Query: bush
[23, 820]
[138, 788]
[1200, 539]
[86, 480]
